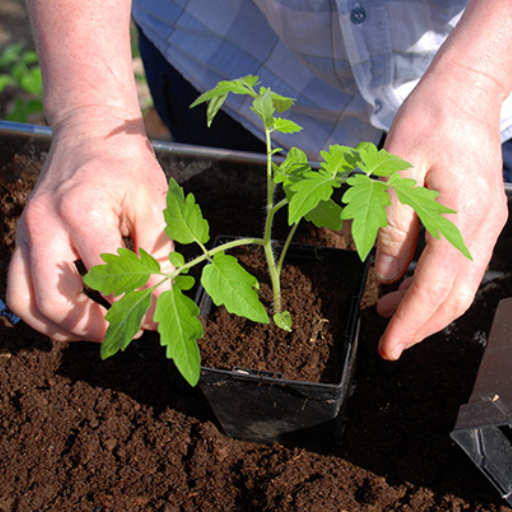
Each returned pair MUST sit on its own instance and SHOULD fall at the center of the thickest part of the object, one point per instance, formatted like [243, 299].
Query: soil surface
[313, 292]
[128, 434]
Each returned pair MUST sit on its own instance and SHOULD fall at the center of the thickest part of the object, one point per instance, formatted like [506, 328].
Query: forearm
[475, 63]
[85, 57]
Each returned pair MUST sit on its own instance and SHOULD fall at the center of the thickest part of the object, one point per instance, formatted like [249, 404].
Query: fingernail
[386, 267]
[397, 352]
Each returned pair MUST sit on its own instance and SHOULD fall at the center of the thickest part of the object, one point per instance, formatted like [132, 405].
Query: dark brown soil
[313, 293]
[128, 434]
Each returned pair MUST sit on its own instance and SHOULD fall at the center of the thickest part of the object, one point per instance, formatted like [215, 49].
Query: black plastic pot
[265, 407]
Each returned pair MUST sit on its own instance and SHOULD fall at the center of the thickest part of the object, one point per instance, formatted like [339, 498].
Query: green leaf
[29, 57]
[327, 214]
[430, 212]
[228, 283]
[366, 203]
[23, 109]
[286, 126]
[5, 81]
[215, 97]
[244, 85]
[283, 320]
[214, 105]
[263, 107]
[339, 160]
[185, 222]
[281, 103]
[125, 318]
[177, 260]
[32, 82]
[308, 192]
[11, 54]
[380, 163]
[293, 167]
[180, 328]
[185, 282]
[123, 272]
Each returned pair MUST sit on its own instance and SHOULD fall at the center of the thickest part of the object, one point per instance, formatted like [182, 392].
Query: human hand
[452, 137]
[100, 183]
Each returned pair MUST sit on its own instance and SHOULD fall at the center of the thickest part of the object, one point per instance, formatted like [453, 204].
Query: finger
[388, 304]
[39, 310]
[149, 234]
[21, 300]
[442, 289]
[58, 292]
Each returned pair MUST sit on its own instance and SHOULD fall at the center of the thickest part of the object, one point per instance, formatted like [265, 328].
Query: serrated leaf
[366, 201]
[339, 160]
[293, 167]
[264, 108]
[304, 195]
[380, 163]
[281, 103]
[217, 96]
[286, 126]
[242, 85]
[185, 222]
[228, 283]
[123, 272]
[430, 212]
[125, 318]
[180, 328]
[327, 214]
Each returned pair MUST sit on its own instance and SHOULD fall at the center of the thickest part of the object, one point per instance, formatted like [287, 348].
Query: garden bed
[78, 433]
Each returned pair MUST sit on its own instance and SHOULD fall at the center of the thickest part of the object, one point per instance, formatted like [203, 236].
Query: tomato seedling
[308, 194]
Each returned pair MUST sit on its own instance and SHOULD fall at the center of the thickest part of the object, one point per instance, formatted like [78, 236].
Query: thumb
[397, 242]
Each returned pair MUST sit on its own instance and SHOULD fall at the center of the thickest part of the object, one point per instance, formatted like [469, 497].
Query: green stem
[211, 252]
[271, 211]
[286, 246]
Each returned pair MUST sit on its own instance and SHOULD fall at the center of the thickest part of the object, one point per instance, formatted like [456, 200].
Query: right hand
[100, 183]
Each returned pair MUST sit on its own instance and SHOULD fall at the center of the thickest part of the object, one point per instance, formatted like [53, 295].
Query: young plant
[20, 71]
[308, 194]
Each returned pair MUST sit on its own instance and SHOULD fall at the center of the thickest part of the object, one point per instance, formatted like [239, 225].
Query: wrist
[98, 122]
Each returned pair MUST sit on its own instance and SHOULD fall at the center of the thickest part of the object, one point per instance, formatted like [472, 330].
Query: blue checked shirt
[349, 64]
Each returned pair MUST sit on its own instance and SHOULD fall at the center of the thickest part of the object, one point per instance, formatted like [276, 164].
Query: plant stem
[286, 246]
[271, 211]
[211, 252]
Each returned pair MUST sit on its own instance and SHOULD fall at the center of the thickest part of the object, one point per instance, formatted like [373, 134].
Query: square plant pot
[263, 406]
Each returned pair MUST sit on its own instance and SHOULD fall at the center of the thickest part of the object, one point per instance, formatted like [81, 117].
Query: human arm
[100, 181]
[449, 128]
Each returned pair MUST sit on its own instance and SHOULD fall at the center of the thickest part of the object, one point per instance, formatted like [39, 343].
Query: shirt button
[377, 106]
[357, 15]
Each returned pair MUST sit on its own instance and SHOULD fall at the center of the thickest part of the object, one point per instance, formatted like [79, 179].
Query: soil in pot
[312, 351]
[80, 434]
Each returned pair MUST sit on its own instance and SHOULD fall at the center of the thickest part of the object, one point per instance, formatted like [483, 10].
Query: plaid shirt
[349, 64]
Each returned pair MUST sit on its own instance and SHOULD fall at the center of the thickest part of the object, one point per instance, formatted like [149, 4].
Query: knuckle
[53, 310]
[16, 302]
[460, 304]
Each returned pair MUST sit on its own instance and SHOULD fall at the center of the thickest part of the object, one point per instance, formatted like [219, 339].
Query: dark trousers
[172, 95]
